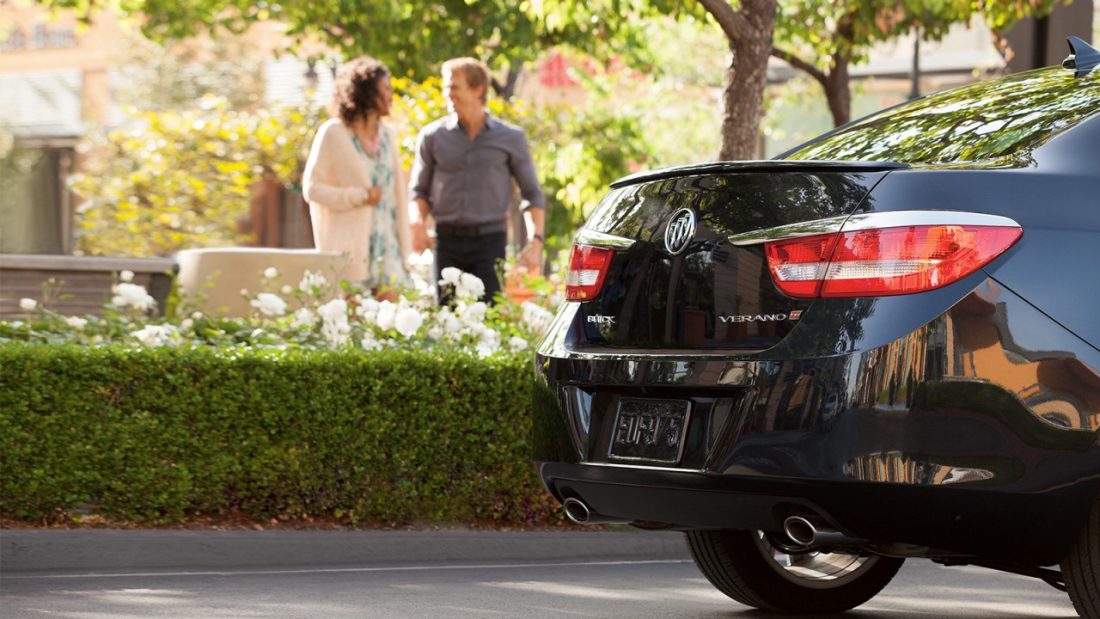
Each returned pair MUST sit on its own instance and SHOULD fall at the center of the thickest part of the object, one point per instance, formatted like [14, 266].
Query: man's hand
[420, 238]
[530, 258]
[420, 222]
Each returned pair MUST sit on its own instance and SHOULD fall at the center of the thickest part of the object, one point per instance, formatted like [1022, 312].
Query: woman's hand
[374, 195]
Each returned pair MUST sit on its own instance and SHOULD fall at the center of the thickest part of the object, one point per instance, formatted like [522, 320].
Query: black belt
[469, 231]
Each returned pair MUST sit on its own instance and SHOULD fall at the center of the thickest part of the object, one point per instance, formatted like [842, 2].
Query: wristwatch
[538, 237]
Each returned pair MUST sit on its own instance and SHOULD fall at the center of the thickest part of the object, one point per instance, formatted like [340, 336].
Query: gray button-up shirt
[469, 182]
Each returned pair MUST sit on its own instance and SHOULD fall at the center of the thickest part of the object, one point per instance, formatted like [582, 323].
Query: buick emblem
[680, 231]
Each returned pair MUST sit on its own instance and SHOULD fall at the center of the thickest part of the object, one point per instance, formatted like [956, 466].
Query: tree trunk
[745, 81]
[507, 89]
[838, 92]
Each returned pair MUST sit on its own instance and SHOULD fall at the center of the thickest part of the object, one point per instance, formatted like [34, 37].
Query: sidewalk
[58, 550]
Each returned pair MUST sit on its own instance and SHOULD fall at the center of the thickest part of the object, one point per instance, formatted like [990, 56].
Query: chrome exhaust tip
[800, 530]
[808, 534]
[576, 511]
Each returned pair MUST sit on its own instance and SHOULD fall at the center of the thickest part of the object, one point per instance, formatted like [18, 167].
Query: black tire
[1081, 568]
[741, 565]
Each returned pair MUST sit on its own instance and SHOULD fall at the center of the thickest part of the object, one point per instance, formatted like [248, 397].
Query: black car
[882, 344]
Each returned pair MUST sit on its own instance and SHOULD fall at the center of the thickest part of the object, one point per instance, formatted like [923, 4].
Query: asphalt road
[124, 574]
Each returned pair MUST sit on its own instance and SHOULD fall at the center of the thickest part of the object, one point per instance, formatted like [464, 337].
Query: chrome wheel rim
[814, 570]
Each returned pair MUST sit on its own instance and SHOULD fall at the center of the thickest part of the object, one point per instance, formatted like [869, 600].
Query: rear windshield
[1000, 121]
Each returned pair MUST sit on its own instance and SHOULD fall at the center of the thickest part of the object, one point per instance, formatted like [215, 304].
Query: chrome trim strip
[602, 239]
[614, 465]
[894, 219]
[865, 221]
[668, 355]
[789, 231]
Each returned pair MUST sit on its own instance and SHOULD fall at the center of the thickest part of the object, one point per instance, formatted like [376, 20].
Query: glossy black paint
[962, 405]
[963, 421]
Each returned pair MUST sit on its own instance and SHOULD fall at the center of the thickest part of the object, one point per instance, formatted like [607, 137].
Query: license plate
[650, 430]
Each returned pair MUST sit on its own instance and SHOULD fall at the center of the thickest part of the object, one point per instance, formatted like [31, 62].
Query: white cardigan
[336, 183]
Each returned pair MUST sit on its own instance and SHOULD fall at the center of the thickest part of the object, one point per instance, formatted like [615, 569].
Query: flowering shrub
[327, 402]
[324, 316]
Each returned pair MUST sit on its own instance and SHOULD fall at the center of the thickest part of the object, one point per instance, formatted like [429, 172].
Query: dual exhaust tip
[802, 531]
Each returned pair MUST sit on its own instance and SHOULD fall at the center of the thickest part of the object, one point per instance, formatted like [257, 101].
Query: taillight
[884, 261]
[587, 269]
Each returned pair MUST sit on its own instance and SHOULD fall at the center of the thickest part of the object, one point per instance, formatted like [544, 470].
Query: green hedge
[164, 435]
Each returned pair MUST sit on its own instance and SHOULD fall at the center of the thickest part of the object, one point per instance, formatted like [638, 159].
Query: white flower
[422, 287]
[408, 321]
[187, 323]
[423, 259]
[368, 310]
[269, 304]
[335, 327]
[473, 313]
[517, 343]
[196, 315]
[536, 318]
[450, 275]
[125, 276]
[244, 292]
[311, 281]
[132, 295]
[470, 286]
[158, 335]
[76, 322]
[335, 310]
[435, 332]
[484, 349]
[450, 323]
[303, 318]
[337, 333]
[369, 343]
[271, 273]
[387, 312]
[257, 333]
[27, 305]
[97, 339]
[287, 289]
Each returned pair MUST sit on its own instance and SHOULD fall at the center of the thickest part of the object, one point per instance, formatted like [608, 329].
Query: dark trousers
[478, 255]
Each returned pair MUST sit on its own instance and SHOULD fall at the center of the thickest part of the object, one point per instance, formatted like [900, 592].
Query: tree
[748, 26]
[411, 37]
[749, 30]
[178, 179]
[824, 39]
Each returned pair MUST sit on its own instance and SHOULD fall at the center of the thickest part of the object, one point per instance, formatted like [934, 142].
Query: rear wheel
[1081, 569]
[748, 568]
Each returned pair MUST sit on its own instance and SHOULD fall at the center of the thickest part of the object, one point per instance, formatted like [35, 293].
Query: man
[462, 179]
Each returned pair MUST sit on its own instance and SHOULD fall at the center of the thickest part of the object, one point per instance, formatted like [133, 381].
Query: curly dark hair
[355, 91]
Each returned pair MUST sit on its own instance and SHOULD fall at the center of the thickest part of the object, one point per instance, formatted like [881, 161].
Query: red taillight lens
[798, 265]
[587, 269]
[884, 261]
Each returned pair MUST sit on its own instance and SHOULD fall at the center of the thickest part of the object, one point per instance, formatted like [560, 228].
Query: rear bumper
[954, 436]
[1033, 529]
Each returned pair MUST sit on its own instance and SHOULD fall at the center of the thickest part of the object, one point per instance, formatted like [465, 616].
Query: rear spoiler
[768, 165]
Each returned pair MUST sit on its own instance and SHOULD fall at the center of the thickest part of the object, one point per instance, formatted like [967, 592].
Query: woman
[353, 179]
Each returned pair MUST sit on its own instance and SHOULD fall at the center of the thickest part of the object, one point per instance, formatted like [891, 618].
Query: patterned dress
[386, 265]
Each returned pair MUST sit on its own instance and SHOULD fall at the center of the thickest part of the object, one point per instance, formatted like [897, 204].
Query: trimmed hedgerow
[163, 435]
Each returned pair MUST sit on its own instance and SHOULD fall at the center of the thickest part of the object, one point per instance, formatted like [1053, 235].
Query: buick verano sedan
[883, 344]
